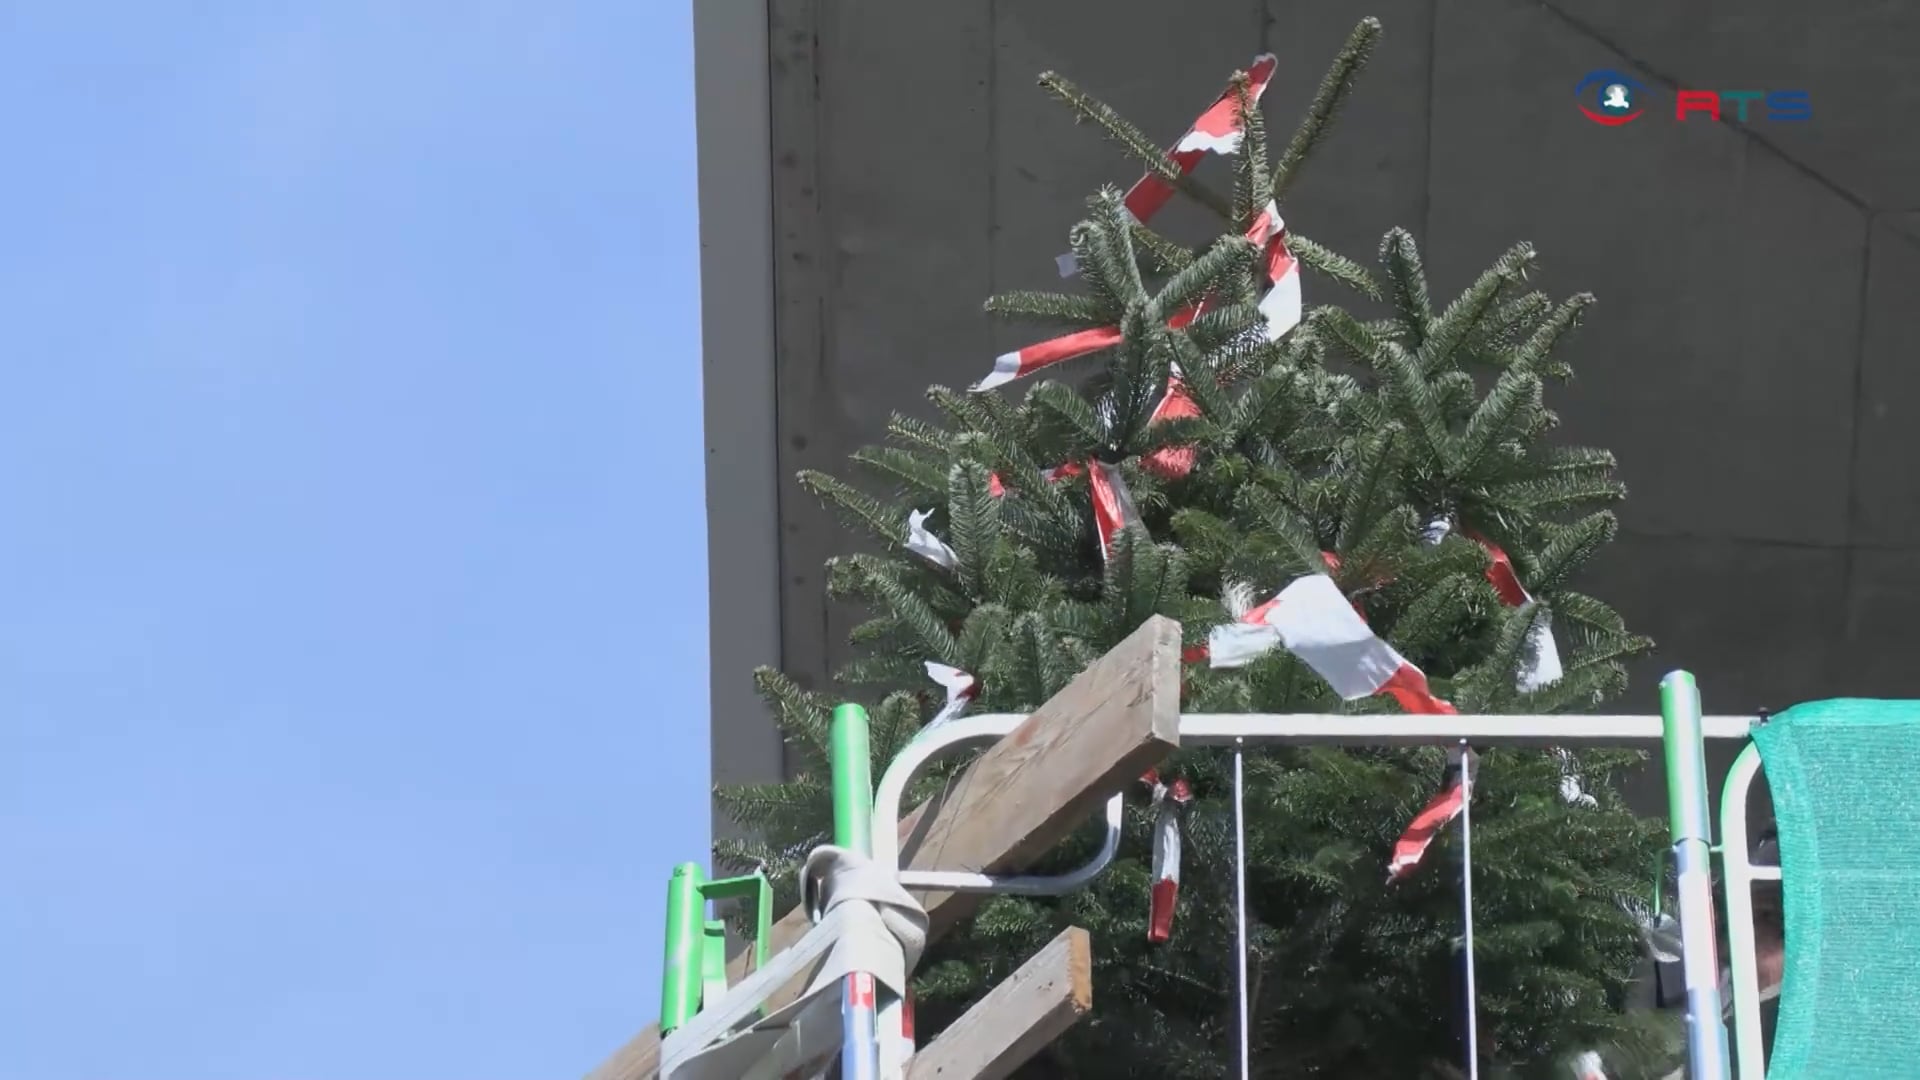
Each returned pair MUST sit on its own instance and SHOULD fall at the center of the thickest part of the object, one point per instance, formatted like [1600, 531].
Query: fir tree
[1347, 436]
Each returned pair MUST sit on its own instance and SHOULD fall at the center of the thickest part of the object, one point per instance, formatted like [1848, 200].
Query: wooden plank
[1033, 1007]
[1023, 796]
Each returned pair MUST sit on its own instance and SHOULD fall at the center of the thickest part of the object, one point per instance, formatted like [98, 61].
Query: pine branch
[1578, 609]
[915, 472]
[1283, 526]
[1252, 184]
[982, 635]
[1571, 549]
[759, 805]
[1087, 108]
[1543, 497]
[912, 431]
[1373, 486]
[1158, 254]
[856, 507]
[1413, 399]
[1063, 307]
[1533, 356]
[1073, 413]
[913, 613]
[1407, 284]
[1510, 318]
[1334, 88]
[1432, 619]
[1496, 420]
[1336, 266]
[1364, 343]
[1229, 257]
[878, 669]
[973, 518]
[1493, 679]
[1266, 405]
[1463, 316]
[892, 724]
[802, 715]
[1109, 245]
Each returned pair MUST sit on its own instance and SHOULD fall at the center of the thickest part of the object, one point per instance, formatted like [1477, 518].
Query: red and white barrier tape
[1169, 801]
[923, 543]
[1412, 846]
[1044, 354]
[1542, 665]
[1543, 653]
[961, 689]
[1312, 619]
[1280, 308]
[1112, 504]
[1217, 131]
[1280, 304]
[1172, 462]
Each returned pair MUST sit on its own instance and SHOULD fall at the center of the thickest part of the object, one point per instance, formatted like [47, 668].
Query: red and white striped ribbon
[998, 488]
[1543, 653]
[1412, 846]
[1044, 354]
[1172, 462]
[1169, 799]
[906, 1027]
[1280, 304]
[961, 689]
[1542, 664]
[923, 543]
[1543, 667]
[1280, 308]
[1217, 131]
[1312, 619]
[1113, 508]
[1112, 504]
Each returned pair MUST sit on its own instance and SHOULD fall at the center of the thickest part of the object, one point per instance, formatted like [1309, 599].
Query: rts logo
[1782, 106]
[1610, 98]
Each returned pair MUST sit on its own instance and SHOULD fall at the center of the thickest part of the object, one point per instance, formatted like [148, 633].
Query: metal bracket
[958, 733]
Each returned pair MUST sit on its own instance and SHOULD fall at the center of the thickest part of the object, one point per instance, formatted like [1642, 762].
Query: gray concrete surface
[1754, 359]
[736, 326]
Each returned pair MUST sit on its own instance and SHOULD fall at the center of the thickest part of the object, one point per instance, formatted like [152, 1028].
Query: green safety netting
[1843, 774]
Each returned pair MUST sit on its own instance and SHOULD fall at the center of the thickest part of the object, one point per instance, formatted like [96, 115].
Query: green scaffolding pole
[852, 761]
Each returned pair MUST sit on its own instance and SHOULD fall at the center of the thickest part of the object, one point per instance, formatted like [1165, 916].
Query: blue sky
[352, 575]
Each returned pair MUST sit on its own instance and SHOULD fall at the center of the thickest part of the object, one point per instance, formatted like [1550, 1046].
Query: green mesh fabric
[1843, 775]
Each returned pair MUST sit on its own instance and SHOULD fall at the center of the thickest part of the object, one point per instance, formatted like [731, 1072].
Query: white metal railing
[1247, 729]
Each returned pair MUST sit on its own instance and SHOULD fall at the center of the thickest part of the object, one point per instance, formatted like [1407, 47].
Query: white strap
[863, 921]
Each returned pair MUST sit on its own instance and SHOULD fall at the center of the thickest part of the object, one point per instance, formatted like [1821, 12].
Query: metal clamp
[960, 733]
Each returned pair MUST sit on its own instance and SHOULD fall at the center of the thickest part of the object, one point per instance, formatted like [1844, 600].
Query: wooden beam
[1003, 1030]
[1025, 795]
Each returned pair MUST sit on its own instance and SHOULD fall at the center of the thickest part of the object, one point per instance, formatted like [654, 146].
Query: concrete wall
[1754, 359]
[736, 327]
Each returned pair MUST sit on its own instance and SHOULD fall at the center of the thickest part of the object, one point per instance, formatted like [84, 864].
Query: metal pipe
[1240, 898]
[850, 755]
[955, 734]
[1336, 729]
[1691, 831]
[1738, 875]
[1466, 907]
[680, 984]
